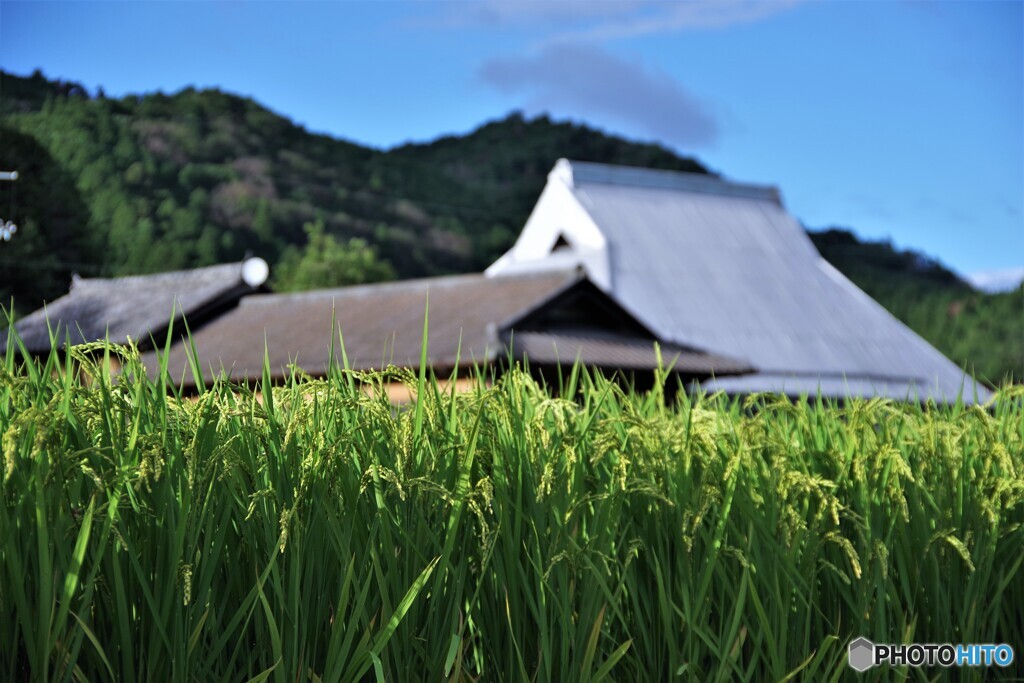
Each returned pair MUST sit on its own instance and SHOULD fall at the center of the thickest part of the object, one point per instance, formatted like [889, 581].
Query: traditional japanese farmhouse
[723, 267]
[612, 261]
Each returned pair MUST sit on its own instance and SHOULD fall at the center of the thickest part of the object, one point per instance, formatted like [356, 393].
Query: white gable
[557, 217]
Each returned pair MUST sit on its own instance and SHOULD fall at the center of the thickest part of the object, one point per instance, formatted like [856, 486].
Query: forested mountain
[157, 182]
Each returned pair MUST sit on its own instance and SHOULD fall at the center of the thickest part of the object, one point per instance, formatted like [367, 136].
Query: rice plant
[314, 531]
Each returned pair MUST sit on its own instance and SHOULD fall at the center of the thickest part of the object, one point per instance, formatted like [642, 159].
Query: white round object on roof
[255, 271]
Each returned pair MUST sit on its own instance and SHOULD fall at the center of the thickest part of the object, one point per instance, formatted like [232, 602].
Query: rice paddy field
[316, 532]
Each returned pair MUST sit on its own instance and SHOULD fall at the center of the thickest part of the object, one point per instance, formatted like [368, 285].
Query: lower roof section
[137, 307]
[469, 320]
[374, 325]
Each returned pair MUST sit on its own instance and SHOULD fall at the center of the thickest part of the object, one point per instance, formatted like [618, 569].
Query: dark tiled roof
[383, 324]
[136, 306]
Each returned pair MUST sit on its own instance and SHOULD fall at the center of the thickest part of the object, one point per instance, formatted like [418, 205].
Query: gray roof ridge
[77, 283]
[397, 285]
[589, 172]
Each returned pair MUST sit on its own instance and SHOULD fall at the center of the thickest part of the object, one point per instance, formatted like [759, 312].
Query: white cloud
[584, 81]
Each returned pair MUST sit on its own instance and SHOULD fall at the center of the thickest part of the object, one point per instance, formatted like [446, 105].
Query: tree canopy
[325, 262]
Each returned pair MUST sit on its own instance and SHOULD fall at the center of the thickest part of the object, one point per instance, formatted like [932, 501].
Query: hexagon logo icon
[862, 654]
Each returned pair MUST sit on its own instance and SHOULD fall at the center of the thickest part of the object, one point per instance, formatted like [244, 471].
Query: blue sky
[901, 120]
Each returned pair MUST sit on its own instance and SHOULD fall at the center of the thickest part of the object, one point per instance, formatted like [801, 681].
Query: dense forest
[157, 182]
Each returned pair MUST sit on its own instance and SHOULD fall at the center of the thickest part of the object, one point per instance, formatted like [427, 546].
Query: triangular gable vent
[561, 244]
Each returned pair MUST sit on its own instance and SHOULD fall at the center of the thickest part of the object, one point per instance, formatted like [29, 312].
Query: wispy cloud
[584, 81]
[498, 13]
[597, 21]
[654, 18]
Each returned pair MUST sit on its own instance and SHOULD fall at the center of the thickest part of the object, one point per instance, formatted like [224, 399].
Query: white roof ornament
[255, 272]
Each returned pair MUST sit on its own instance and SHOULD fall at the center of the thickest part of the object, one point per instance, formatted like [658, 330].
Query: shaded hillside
[156, 182]
[192, 178]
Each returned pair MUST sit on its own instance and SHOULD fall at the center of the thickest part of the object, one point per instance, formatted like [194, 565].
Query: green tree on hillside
[326, 262]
